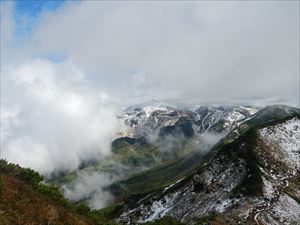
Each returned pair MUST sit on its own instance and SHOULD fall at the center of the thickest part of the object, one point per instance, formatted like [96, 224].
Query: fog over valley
[141, 112]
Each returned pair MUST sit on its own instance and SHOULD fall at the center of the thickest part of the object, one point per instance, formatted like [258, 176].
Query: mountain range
[192, 165]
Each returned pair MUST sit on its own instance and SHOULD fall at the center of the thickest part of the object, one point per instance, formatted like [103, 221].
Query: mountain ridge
[250, 176]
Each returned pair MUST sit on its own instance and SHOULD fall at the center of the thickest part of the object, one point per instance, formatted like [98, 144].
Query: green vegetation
[104, 216]
[1, 185]
[26, 175]
[252, 184]
[206, 219]
[54, 193]
[135, 155]
[157, 178]
[33, 179]
[166, 220]
[63, 179]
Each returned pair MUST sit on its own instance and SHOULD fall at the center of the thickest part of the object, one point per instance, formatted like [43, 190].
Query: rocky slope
[251, 177]
[149, 118]
[160, 134]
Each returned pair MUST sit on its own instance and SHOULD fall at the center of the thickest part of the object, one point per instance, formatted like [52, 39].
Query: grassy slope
[25, 200]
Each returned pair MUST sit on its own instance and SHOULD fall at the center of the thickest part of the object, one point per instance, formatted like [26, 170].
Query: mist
[53, 118]
[66, 79]
[89, 187]
[204, 142]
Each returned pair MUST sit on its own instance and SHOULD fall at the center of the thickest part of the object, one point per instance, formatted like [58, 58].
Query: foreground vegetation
[25, 199]
[23, 196]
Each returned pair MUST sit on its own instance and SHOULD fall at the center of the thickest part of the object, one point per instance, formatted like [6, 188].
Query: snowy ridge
[222, 185]
[286, 136]
[203, 119]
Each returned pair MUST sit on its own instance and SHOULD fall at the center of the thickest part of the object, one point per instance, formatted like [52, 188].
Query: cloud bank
[64, 81]
[246, 52]
[53, 119]
[90, 186]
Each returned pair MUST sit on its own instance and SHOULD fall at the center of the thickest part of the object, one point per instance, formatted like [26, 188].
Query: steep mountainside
[145, 119]
[252, 177]
[160, 135]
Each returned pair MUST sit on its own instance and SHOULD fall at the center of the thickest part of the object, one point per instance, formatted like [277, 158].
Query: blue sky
[27, 12]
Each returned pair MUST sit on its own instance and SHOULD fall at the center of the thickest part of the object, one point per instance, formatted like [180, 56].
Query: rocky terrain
[252, 177]
[225, 165]
[142, 119]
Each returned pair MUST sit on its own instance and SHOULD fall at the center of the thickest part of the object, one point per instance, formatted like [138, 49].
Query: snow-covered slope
[254, 179]
[203, 119]
[284, 140]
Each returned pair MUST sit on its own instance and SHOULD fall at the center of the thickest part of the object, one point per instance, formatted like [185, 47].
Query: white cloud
[194, 51]
[90, 186]
[52, 118]
[197, 51]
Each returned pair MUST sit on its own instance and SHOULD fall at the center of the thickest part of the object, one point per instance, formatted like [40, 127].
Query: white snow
[268, 188]
[251, 111]
[287, 209]
[159, 208]
[167, 188]
[287, 137]
[223, 205]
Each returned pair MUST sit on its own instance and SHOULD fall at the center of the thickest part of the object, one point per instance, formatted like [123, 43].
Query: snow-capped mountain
[252, 178]
[249, 176]
[203, 119]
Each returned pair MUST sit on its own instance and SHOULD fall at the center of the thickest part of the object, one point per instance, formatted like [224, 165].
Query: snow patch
[288, 210]
[287, 137]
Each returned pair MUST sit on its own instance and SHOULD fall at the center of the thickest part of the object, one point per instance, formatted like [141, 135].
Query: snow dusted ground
[203, 119]
[286, 136]
[281, 162]
[287, 210]
[219, 179]
[219, 187]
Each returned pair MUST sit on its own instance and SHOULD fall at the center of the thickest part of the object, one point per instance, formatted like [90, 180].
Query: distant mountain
[171, 172]
[251, 176]
[159, 134]
[203, 119]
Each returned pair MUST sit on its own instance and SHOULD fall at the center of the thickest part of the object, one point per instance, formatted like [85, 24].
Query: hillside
[252, 177]
[161, 138]
[24, 199]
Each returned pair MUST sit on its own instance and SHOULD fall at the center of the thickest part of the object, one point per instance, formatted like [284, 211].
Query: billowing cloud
[245, 52]
[90, 186]
[64, 82]
[52, 118]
